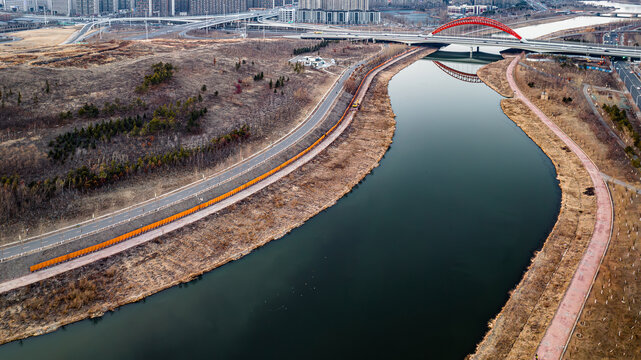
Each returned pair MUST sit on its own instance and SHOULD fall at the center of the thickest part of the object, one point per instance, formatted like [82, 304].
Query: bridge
[512, 40]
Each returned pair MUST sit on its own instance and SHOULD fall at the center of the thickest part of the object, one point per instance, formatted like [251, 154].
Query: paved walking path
[558, 333]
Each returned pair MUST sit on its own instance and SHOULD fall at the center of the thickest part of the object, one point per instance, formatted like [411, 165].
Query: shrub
[316, 47]
[161, 72]
[89, 110]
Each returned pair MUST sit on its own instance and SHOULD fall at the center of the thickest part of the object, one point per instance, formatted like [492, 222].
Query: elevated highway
[188, 23]
[442, 40]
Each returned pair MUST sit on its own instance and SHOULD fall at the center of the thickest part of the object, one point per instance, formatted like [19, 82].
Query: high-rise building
[287, 14]
[86, 7]
[336, 12]
[20, 5]
[344, 5]
[200, 7]
[62, 7]
[267, 4]
[181, 7]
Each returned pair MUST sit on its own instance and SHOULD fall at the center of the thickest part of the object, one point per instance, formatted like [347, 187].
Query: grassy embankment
[606, 328]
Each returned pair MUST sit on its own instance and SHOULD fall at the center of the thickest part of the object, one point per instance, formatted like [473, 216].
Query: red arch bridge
[478, 20]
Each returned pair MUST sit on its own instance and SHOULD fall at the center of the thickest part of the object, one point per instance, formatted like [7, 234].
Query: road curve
[327, 139]
[558, 333]
[225, 176]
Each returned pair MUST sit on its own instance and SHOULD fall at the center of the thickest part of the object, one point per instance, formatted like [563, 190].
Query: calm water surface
[411, 264]
[625, 8]
[535, 31]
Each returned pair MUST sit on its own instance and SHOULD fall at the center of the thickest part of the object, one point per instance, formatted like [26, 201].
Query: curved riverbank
[225, 236]
[517, 330]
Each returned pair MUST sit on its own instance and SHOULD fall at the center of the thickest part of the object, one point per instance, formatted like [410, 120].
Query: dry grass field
[44, 92]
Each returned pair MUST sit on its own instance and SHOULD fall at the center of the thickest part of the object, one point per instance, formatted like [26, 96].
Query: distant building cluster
[187, 7]
[468, 10]
[336, 12]
[343, 5]
[139, 7]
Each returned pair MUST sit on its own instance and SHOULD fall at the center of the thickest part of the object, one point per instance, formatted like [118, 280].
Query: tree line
[16, 194]
[306, 49]
[66, 144]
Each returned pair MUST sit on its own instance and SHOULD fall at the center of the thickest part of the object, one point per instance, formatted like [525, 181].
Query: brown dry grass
[494, 77]
[609, 325]
[577, 119]
[216, 240]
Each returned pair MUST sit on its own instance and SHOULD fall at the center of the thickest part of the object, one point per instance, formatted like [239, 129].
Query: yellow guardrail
[217, 199]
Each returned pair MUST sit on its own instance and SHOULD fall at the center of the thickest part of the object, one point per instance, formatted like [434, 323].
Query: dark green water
[411, 264]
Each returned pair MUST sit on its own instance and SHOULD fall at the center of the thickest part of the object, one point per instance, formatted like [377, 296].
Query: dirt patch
[31, 39]
[207, 244]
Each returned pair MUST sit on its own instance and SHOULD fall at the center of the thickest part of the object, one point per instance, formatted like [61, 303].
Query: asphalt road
[630, 79]
[209, 183]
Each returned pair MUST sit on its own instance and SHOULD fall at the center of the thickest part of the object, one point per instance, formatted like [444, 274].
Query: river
[412, 264]
[619, 7]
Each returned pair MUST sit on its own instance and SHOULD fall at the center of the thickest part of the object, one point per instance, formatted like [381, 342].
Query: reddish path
[558, 333]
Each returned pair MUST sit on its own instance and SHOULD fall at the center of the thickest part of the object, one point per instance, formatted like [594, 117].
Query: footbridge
[508, 39]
